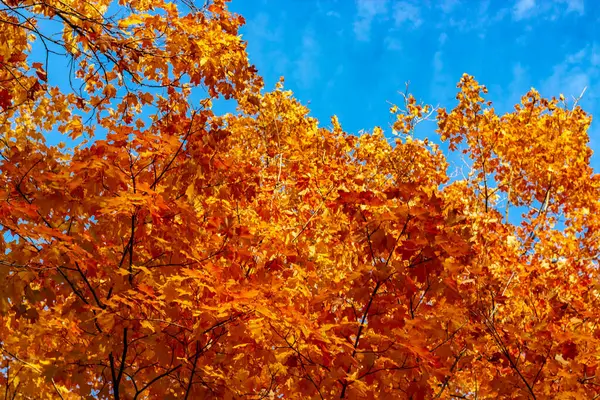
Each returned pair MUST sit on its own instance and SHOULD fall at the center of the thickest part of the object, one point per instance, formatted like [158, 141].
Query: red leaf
[569, 350]
[5, 99]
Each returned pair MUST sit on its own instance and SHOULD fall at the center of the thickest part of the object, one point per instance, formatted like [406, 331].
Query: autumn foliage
[181, 254]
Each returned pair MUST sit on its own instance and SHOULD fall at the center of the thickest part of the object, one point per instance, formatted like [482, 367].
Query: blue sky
[350, 57]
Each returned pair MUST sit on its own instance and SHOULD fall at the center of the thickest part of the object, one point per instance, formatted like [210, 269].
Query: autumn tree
[177, 252]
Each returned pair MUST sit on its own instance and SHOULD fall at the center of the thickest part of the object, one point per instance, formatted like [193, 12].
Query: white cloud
[438, 64]
[392, 43]
[335, 77]
[447, 6]
[518, 72]
[306, 65]
[577, 71]
[262, 28]
[562, 8]
[442, 38]
[264, 34]
[518, 86]
[575, 6]
[549, 9]
[443, 85]
[478, 21]
[523, 9]
[576, 57]
[324, 7]
[367, 10]
[406, 12]
[595, 58]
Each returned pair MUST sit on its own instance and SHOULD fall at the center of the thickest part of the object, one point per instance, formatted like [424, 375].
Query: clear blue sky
[349, 58]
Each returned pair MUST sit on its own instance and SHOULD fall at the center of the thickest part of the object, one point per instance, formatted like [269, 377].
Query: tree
[257, 254]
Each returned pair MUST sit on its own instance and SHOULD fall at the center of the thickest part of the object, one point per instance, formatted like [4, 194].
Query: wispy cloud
[518, 86]
[405, 12]
[447, 6]
[523, 9]
[307, 71]
[576, 6]
[262, 28]
[325, 8]
[442, 38]
[519, 74]
[548, 9]
[392, 43]
[366, 12]
[442, 85]
[481, 19]
[264, 35]
[335, 77]
[438, 64]
[577, 71]
[595, 58]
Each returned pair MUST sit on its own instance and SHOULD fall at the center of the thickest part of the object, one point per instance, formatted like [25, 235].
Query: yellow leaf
[265, 311]
[250, 294]
[148, 325]
[134, 19]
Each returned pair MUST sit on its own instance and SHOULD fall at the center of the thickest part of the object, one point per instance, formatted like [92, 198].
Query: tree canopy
[181, 253]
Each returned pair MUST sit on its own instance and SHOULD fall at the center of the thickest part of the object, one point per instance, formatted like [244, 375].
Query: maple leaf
[191, 254]
[5, 99]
